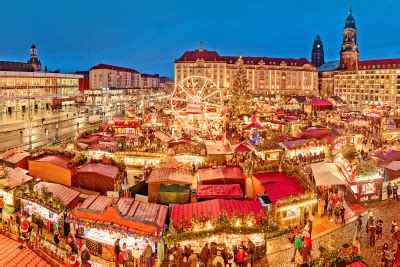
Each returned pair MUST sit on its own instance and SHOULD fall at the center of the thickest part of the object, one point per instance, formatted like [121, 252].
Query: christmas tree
[241, 95]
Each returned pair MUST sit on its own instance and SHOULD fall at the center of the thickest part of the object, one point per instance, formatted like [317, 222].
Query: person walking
[85, 256]
[192, 259]
[389, 191]
[394, 189]
[117, 251]
[329, 209]
[204, 255]
[337, 212]
[179, 255]
[358, 226]
[372, 234]
[240, 256]
[20, 132]
[136, 253]
[219, 261]
[394, 224]
[148, 255]
[125, 256]
[342, 213]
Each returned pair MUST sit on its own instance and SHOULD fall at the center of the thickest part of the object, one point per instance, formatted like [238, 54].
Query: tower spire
[350, 7]
[201, 46]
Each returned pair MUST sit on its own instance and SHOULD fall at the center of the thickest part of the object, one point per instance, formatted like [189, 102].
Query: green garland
[224, 225]
[291, 200]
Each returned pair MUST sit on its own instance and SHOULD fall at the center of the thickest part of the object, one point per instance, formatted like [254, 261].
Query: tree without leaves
[241, 94]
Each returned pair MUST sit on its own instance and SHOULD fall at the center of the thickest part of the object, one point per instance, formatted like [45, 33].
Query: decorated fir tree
[240, 92]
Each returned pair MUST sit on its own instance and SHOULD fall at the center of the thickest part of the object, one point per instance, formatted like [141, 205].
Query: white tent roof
[327, 174]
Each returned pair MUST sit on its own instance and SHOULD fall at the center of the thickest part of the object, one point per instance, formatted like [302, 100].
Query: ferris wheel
[197, 108]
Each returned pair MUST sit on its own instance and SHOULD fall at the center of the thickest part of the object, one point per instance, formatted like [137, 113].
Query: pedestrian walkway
[13, 254]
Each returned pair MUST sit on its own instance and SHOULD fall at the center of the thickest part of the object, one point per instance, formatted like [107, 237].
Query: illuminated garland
[238, 224]
[292, 200]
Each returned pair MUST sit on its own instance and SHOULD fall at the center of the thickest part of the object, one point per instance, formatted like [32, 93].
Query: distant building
[107, 76]
[33, 64]
[371, 82]
[84, 81]
[23, 86]
[150, 80]
[267, 76]
[166, 83]
[317, 55]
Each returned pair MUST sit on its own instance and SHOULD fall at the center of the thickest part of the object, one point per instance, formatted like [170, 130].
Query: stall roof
[58, 160]
[394, 166]
[100, 169]
[218, 148]
[162, 175]
[253, 125]
[90, 139]
[219, 191]
[279, 185]
[15, 177]
[321, 102]
[290, 144]
[162, 136]
[142, 216]
[181, 213]
[66, 194]
[206, 174]
[326, 173]
[386, 154]
[14, 157]
[241, 148]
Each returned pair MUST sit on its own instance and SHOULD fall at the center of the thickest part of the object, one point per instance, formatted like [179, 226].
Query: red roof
[102, 66]
[181, 213]
[253, 125]
[16, 177]
[219, 191]
[16, 157]
[390, 63]
[214, 56]
[162, 175]
[321, 102]
[90, 139]
[66, 194]
[223, 173]
[145, 75]
[242, 148]
[279, 185]
[58, 160]
[100, 169]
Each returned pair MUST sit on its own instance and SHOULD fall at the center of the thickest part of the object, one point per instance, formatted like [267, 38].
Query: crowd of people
[212, 255]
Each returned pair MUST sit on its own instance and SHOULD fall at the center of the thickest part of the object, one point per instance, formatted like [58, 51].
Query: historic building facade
[104, 76]
[368, 81]
[317, 54]
[267, 76]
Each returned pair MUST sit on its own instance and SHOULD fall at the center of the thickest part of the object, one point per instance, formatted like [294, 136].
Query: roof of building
[100, 169]
[184, 213]
[329, 66]
[14, 178]
[388, 63]
[221, 173]
[219, 191]
[14, 157]
[66, 194]
[161, 175]
[124, 212]
[386, 154]
[146, 75]
[394, 166]
[214, 56]
[165, 79]
[111, 67]
[218, 148]
[58, 160]
[16, 66]
[279, 185]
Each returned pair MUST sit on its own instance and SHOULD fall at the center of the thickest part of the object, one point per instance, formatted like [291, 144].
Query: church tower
[34, 60]
[349, 54]
[317, 54]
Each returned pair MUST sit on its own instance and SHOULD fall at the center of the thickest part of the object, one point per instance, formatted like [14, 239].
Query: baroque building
[317, 54]
[267, 76]
[373, 82]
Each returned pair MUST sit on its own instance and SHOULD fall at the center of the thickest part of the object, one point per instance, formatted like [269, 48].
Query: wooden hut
[15, 159]
[169, 185]
[98, 177]
[52, 168]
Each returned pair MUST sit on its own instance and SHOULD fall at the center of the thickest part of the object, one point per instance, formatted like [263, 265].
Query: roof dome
[350, 21]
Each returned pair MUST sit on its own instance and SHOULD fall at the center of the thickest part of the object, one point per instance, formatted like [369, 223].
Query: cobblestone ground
[386, 211]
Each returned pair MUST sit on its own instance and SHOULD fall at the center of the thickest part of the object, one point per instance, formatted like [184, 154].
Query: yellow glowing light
[250, 224]
[196, 228]
[237, 224]
[208, 225]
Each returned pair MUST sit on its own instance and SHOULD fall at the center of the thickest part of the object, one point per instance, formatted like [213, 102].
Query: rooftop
[102, 66]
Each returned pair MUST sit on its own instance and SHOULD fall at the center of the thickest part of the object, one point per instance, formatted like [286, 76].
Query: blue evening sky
[149, 35]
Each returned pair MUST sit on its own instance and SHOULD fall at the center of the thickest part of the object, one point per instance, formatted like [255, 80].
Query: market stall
[10, 179]
[46, 166]
[306, 150]
[169, 185]
[227, 191]
[221, 223]
[98, 177]
[14, 159]
[222, 175]
[287, 195]
[124, 126]
[47, 202]
[101, 220]
[364, 178]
